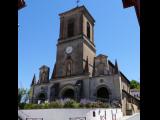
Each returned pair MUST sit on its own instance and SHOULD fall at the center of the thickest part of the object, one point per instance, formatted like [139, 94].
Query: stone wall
[76, 57]
[112, 83]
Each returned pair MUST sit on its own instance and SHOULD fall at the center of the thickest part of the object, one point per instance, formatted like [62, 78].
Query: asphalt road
[135, 117]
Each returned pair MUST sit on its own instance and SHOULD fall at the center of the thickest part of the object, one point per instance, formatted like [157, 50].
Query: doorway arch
[102, 94]
[68, 93]
[42, 97]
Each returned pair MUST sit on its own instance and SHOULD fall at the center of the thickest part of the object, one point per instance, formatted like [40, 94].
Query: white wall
[65, 114]
[136, 94]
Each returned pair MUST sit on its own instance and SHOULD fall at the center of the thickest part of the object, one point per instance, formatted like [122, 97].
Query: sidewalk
[136, 116]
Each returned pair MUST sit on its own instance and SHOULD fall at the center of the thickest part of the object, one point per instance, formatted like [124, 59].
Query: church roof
[101, 55]
[135, 98]
[33, 80]
[110, 63]
[83, 8]
[43, 66]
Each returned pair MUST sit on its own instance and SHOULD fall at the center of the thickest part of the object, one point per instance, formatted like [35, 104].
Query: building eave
[119, 71]
[81, 7]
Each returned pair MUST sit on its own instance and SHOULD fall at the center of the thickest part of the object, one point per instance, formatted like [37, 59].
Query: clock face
[69, 49]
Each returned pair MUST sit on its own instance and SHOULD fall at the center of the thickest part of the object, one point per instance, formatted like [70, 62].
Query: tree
[134, 84]
[23, 95]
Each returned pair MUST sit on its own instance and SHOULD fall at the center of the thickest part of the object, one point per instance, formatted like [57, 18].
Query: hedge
[67, 103]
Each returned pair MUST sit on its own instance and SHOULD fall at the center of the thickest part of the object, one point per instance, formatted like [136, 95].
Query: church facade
[78, 72]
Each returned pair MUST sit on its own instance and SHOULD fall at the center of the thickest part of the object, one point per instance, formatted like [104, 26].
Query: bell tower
[75, 46]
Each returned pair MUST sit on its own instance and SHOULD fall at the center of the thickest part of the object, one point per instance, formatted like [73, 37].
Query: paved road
[134, 117]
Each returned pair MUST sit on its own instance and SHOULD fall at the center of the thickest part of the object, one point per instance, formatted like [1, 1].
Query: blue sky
[117, 35]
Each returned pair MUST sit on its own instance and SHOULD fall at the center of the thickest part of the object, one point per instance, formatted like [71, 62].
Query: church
[78, 72]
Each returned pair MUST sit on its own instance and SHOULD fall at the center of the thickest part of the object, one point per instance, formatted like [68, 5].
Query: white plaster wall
[65, 114]
[137, 94]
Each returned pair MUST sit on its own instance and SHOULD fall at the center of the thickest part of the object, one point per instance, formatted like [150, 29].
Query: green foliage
[45, 106]
[21, 105]
[33, 106]
[69, 103]
[102, 105]
[56, 104]
[88, 105]
[96, 105]
[29, 106]
[134, 84]
[23, 95]
[76, 105]
[82, 105]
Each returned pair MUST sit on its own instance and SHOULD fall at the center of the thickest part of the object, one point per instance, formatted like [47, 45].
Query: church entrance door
[41, 97]
[102, 94]
[69, 93]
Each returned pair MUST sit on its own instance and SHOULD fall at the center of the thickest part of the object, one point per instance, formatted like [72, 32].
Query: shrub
[88, 105]
[76, 105]
[56, 104]
[45, 106]
[28, 106]
[21, 105]
[95, 105]
[81, 105]
[103, 105]
[69, 103]
[84, 103]
[66, 103]
[36, 106]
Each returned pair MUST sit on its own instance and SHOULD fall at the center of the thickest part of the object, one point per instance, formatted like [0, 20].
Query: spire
[93, 73]
[33, 80]
[86, 70]
[116, 67]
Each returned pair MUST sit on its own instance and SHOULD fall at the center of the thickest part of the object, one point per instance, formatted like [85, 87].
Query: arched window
[68, 68]
[88, 30]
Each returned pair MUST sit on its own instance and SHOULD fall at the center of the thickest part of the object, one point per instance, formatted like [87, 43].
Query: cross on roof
[77, 1]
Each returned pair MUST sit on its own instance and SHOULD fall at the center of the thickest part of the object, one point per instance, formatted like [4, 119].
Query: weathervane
[77, 1]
